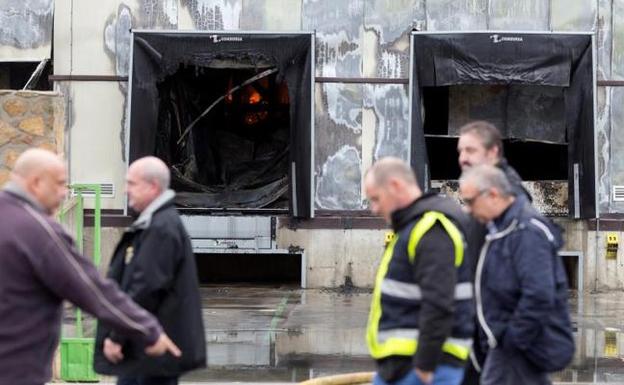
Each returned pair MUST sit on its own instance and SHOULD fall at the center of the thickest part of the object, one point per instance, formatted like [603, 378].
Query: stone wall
[29, 119]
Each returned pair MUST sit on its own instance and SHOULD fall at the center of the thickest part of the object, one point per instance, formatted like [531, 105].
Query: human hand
[425, 377]
[112, 351]
[163, 345]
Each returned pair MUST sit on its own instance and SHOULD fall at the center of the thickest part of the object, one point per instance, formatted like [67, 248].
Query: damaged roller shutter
[231, 114]
[537, 88]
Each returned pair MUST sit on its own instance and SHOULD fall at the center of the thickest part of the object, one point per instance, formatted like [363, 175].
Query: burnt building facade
[269, 112]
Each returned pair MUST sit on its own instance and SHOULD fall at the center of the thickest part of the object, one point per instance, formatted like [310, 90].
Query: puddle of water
[598, 321]
[283, 334]
[269, 334]
[315, 333]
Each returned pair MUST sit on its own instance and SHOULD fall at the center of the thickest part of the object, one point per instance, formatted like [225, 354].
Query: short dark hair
[388, 167]
[488, 133]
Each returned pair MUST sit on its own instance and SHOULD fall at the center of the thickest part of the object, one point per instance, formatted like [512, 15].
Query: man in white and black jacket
[520, 284]
[40, 267]
[480, 143]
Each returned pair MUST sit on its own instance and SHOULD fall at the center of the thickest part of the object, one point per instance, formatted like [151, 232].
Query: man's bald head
[147, 178]
[42, 174]
[153, 169]
[390, 184]
[35, 161]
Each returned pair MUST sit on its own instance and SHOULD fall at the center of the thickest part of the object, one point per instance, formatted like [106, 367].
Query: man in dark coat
[481, 143]
[155, 265]
[520, 284]
[40, 267]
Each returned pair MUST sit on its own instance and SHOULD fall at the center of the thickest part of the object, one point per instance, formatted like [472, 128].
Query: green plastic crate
[77, 359]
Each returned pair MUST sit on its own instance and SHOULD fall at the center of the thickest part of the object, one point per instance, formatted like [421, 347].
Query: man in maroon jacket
[40, 267]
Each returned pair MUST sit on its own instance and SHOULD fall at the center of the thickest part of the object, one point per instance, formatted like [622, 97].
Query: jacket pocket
[553, 349]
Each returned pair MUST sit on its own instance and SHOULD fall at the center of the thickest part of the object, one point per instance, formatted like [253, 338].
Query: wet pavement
[282, 334]
[285, 334]
[599, 328]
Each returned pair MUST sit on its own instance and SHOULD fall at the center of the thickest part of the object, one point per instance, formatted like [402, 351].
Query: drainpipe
[596, 253]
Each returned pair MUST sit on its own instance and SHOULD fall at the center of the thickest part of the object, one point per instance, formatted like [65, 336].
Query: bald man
[421, 318]
[155, 265]
[40, 267]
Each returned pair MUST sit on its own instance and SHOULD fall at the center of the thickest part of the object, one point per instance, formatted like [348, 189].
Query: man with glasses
[421, 317]
[480, 143]
[520, 284]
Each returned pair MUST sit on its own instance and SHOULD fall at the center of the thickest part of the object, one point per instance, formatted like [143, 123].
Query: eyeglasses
[470, 201]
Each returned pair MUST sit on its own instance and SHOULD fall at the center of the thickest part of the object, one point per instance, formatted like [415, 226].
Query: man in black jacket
[41, 267]
[421, 318]
[154, 264]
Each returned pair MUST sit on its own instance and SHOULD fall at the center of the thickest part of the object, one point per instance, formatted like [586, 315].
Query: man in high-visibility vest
[421, 318]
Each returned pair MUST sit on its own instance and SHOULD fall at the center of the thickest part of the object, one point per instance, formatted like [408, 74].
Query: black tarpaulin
[170, 89]
[531, 59]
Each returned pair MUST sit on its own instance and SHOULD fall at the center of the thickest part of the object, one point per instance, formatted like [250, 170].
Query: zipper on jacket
[480, 315]
[475, 361]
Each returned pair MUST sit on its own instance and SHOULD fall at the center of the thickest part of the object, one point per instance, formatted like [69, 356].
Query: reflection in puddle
[599, 340]
[284, 334]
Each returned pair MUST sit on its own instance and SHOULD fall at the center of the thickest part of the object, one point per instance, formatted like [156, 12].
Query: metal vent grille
[107, 190]
[618, 193]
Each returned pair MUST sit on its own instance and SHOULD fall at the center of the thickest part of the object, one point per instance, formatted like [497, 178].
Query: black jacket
[439, 315]
[514, 179]
[155, 265]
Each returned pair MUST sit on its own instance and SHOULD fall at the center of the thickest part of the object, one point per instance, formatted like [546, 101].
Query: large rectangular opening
[537, 88]
[573, 265]
[531, 118]
[230, 113]
[237, 154]
[249, 268]
[28, 75]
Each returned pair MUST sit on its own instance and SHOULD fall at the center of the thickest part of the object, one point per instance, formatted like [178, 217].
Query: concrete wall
[604, 274]
[336, 257]
[355, 123]
[29, 119]
[109, 237]
[26, 29]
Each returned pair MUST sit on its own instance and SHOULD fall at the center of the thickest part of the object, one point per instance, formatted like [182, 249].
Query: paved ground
[286, 335]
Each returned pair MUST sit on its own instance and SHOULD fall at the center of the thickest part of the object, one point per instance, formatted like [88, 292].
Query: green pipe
[97, 227]
[79, 217]
[79, 244]
[79, 221]
[97, 220]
